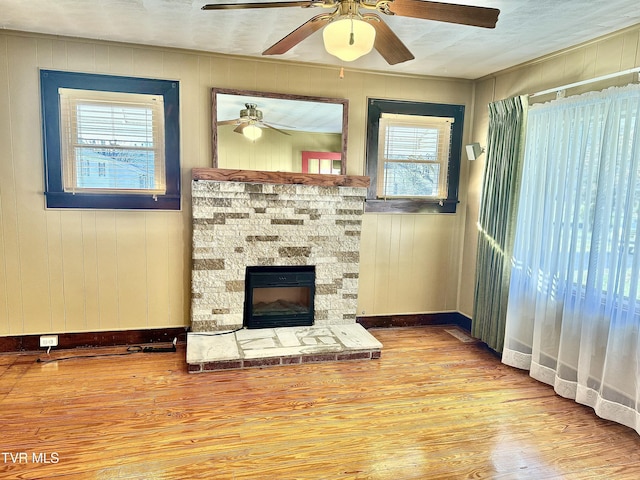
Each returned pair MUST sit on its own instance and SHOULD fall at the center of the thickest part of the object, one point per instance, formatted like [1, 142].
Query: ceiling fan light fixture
[349, 38]
[252, 132]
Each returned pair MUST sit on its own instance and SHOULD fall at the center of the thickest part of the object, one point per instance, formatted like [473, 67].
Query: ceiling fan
[250, 122]
[363, 31]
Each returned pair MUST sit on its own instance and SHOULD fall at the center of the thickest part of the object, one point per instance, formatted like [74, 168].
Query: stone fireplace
[247, 219]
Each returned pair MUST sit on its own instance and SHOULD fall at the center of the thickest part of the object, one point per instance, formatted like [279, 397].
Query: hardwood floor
[432, 407]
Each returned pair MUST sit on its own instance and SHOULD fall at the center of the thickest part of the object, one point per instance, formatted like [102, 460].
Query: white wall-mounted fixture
[474, 150]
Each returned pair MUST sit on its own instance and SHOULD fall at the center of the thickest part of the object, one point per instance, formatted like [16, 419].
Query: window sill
[120, 201]
[410, 206]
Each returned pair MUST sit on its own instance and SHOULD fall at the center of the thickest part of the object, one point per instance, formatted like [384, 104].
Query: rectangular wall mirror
[279, 132]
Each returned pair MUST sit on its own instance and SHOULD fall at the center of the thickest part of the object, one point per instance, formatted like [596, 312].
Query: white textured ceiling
[526, 29]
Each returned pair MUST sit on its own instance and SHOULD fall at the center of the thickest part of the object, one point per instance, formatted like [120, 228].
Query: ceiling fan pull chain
[351, 39]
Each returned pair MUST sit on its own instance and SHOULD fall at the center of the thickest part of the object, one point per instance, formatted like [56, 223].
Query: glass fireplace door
[279, 296]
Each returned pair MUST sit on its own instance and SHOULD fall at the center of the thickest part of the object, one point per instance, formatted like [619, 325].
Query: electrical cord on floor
[152, 349]
[215, 334]
[208, 334]
[130, 351]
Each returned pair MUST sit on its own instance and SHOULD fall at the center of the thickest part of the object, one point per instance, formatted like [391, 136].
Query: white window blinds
[112, 142]
[414, 156]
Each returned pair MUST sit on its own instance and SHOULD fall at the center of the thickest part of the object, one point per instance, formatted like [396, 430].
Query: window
[580, 204]
[413, 156]
[110, 142]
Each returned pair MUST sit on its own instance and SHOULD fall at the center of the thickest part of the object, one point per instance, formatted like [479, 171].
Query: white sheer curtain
[573, 316]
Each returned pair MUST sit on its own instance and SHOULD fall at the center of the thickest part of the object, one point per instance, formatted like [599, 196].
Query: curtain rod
[586, 82]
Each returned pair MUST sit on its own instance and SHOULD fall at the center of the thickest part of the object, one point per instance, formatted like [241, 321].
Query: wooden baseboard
[412, 320]
[31, 343]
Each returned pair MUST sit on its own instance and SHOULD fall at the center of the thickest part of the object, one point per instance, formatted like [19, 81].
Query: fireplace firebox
[279, 296]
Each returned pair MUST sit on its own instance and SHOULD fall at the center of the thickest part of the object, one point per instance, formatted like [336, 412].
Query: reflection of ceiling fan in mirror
[350, 33]
[250, 123]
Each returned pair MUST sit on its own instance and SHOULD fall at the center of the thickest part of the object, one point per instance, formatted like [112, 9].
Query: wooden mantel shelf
[257, 176]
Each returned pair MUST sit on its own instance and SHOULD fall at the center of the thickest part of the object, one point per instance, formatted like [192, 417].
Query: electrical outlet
[48, 340]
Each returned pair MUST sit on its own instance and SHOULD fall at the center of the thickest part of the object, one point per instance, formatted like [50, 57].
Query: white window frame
[71, 126]
[441, 125]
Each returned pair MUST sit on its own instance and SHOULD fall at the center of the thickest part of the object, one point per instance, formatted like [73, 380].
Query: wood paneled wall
[610, 54]
[76, 271]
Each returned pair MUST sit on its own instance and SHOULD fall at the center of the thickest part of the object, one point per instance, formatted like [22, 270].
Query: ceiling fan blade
[237, 6]
[274, 128]
[240, 128]
[298, 35]
[387, 43]
[445, 12]
[228, 122]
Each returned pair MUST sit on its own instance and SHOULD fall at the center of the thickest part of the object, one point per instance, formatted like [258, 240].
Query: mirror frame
[284, 96]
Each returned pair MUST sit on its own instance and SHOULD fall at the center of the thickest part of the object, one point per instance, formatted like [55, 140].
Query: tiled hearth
[279, 346]
[245, 219]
